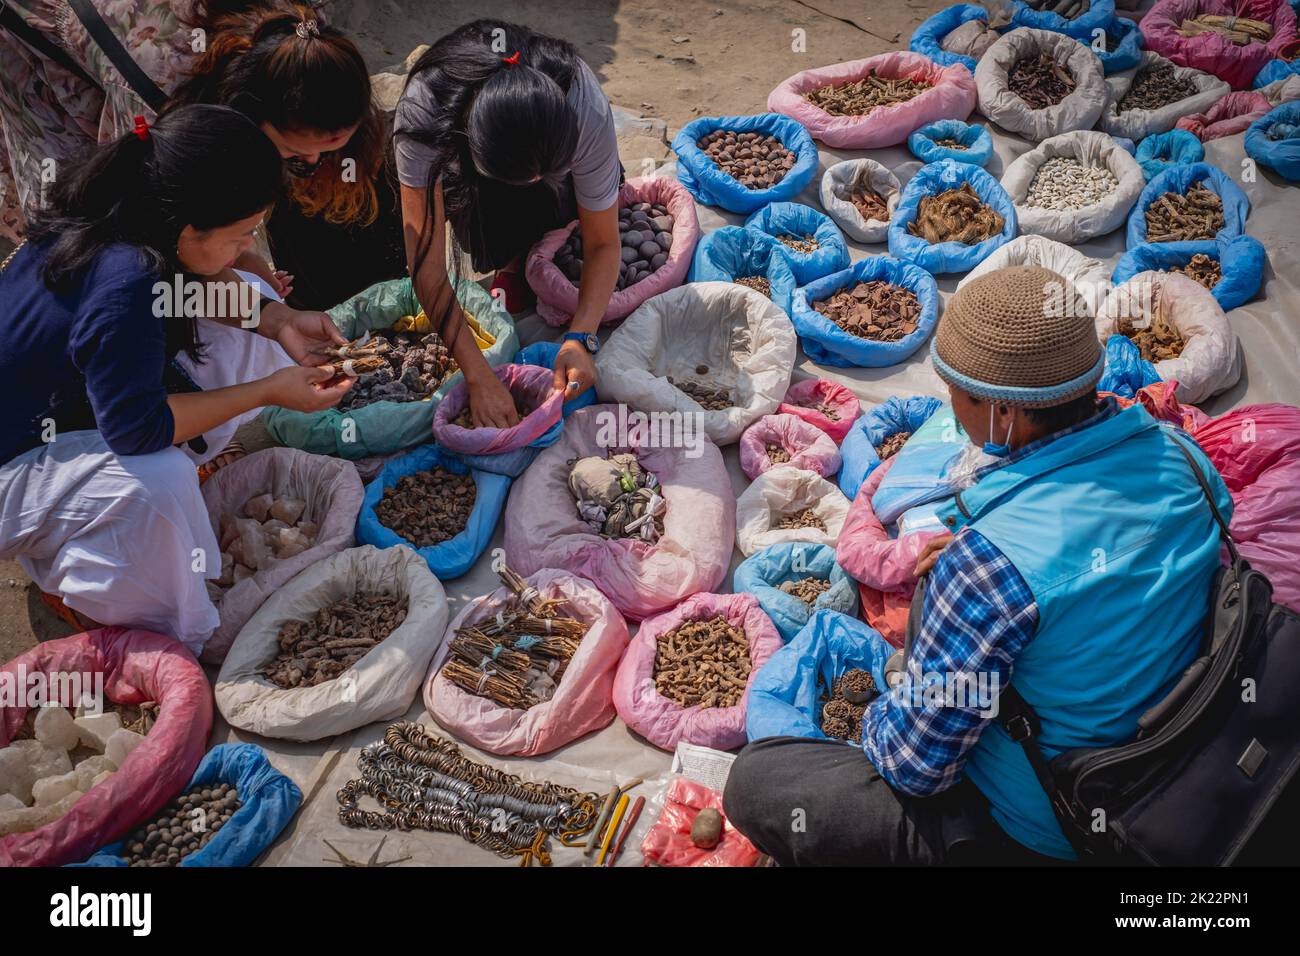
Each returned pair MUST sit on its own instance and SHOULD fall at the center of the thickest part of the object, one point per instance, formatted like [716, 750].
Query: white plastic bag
[1137, 124]
[784, 491]
[1091, 277]
[1079, 110]
[839, 182]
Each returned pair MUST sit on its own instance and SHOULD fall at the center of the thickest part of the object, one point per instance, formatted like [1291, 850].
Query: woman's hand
[575, 372]
[306, 389]
[305, 336]
[491, 405]
[283, 283]
[929, 555]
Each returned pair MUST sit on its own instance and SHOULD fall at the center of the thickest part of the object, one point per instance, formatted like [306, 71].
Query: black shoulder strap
[11, 21]
[1224, 533]
[107, 40]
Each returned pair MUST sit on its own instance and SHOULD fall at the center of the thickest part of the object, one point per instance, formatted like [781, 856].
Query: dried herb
[861, 97]
[703, 663]
[1040, 81]
[428, 507]
[955, 215]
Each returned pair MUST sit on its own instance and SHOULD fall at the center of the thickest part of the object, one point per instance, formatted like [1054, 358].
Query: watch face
[593, 344]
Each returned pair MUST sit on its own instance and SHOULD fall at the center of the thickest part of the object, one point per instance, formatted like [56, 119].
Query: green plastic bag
[384, 427]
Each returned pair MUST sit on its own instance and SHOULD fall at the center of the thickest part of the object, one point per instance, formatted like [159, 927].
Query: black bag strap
[1224, 533]
[107, 40]
[12, 22]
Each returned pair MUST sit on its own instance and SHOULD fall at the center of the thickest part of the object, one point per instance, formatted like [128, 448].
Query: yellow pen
[614, 821]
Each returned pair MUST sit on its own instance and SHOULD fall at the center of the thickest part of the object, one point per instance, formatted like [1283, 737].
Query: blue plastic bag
[1100, 13]
[927, 39]
[976, 139]
[1126, 369]
[544, 354]
[1282, 154]
[785, 699]
[858, 450]
[1159, 151]
[452, 558]
[1180, 178]
[1273, 71]
[762, 574]
[1241, 263]
[270, 799]
[826, 343]
[948, 256]
[1128, 50]
[705, 181]
[731, 252]
[795, 219]
[919, 474]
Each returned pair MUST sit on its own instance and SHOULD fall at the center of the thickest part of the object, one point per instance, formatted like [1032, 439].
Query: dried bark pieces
[870, 204]
[1156, 86]
[1177, 217]
[703, 663]
[876, 310]
[860, 97]
[186, 825]
[754, 160]
[891, 445]
[428, 507]
[955, 215]
[1157, 341]
[1039, 80]
[320, 649]
[807, 518]
[1204, 269]
[807, 589]
[757, 283]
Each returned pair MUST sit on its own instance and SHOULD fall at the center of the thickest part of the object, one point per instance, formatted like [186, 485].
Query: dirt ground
[674, 61]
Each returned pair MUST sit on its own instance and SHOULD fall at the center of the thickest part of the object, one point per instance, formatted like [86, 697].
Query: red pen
[627, 828]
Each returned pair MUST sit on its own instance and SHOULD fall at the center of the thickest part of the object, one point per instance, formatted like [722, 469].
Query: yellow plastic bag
[420, 323]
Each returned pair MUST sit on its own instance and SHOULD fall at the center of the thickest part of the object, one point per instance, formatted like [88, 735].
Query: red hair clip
[512, 59]
[141, 129]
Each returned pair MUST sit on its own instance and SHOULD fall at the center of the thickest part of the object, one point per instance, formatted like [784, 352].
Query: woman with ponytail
[121, 368]
[505, 134]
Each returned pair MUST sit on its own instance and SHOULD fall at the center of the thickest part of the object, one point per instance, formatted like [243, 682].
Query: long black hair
[199, 166]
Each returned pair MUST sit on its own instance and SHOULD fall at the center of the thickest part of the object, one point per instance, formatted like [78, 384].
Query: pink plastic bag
[532, 387]
[951, 96]
[668, 842]
[137, 666]
[557, 296]
[809, 447]
[1211, 52]
[802, 399]
[543, 529]
[665, 723]
[1229, 116]
[583, 700]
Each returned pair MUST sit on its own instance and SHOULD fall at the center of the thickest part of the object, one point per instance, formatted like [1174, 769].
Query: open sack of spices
[391, 405]
[1188, 203]
[1088, 278]
[1179, 327]
[1231, 115]
[529, 667]
[860, 196]
[1227, 38]
[658, 229]
[686, 672]
[809, 239]
[69, 784]
[792, 581]
[956, 36]
[742, 163]
[1273, 140]
[344, 643]
[781, 439]
[874, 314]
[1232, 269]
[1039, 84]
[1073, 187]
[1159, 151]
[1153, 96]
[642, 566]
[437, 505]
[830, 406]
[275, 512]
[952, 139]
[244, 804]
[1076, 18]
[505, 451]
[821, 683]
[880, 434]
[746, 257]
[715, 351]
[950, 217]
[788, 504]
[874, 102]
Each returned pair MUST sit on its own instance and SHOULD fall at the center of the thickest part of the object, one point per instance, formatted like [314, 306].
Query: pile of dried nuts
[319, 650]
[754, 160]
[843, 710]
[1206, 270]
[1068, 9]
[757, 283]
[807, 590]
[1039, 80]
[711, 397]
[806, 518]
[646, 232]
[1176, 217]
[617, 498]
[267, 529]
[704, 663]
[393, 367]
[955, 215]
[428, 507]
[805, 245]
[1065, 183]
[891, 445]
[776, 454]
[172, 835]
[860, 97]
[876, 310]
[869, 204]
[1156, 86]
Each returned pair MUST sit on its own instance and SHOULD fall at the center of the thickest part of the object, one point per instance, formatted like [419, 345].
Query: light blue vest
[1113, 536]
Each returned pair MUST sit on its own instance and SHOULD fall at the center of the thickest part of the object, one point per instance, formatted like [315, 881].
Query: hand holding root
[306, 389]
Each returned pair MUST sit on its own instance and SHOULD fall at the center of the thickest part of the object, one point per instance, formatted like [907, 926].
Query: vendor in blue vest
[1079, 568]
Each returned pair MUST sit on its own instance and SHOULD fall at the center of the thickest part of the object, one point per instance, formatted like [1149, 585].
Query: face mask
[993, 448]
[300, 168]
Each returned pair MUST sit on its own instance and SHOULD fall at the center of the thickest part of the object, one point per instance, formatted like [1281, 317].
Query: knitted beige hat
[1018, 336]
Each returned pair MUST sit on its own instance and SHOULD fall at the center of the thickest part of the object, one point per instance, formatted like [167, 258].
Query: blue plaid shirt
[979, 615]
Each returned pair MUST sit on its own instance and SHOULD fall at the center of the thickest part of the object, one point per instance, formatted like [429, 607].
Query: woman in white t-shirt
[505, 134]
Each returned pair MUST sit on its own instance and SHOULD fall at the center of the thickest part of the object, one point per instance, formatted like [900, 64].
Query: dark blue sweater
[93, 358]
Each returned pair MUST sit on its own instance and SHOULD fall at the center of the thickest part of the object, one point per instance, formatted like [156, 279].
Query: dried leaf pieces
[428, 507]
[860, 97]
[1175, 217]
[955, 215]
[876, 310]
[704, 663]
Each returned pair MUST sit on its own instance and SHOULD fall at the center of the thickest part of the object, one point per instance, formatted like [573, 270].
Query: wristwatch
[588, 339]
